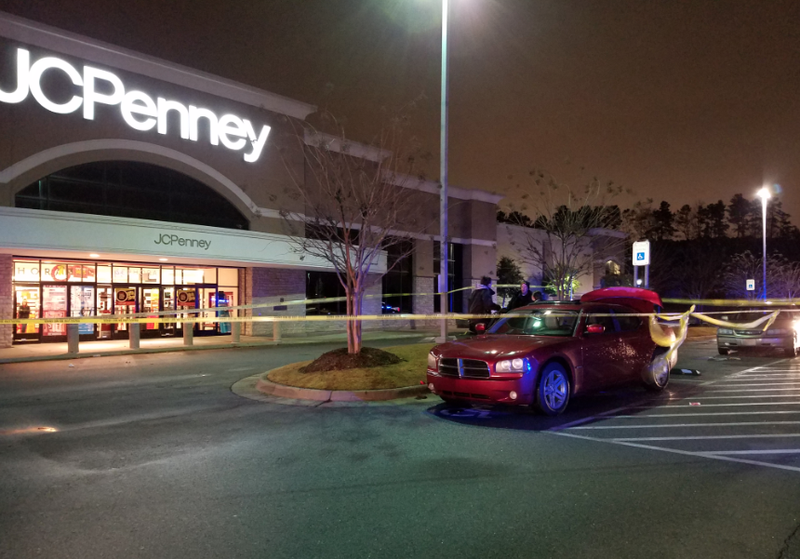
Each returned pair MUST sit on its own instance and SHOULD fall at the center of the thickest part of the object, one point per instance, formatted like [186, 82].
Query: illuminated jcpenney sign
[138, 109]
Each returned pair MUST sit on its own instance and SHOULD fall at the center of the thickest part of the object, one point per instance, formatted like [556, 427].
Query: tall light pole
[764, 195]
[443, 258]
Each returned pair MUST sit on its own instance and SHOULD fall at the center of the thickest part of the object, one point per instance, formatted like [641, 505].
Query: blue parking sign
[641, 253]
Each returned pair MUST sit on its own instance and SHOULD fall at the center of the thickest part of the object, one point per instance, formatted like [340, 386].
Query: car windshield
[746, 317]
[544, 322]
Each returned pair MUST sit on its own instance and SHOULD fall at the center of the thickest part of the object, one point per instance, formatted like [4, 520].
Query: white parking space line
[682, 452]
[699, 398]
[726, 389]
[703, 437]
[770, 392]
[685, 425]
[757, 370]
[767, 382]
[700, 414]
[791, 403]
[763, 376]
[751, 452]
[604, 415]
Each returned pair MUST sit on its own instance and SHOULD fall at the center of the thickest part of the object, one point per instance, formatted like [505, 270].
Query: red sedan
[553, 350]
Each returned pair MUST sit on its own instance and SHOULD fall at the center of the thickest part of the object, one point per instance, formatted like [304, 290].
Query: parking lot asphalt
[155, 456]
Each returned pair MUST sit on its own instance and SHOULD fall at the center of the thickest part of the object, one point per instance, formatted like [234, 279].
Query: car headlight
[726, 331]
[433, 363]
[510, 366]
[777, 332]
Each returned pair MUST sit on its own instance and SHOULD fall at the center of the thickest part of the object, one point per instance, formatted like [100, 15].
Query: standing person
[522, 297]
[480, 302]
[23, 311]
[538, 296]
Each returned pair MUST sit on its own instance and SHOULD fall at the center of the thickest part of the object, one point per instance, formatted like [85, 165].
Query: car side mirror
[595, 329]
[480, 328]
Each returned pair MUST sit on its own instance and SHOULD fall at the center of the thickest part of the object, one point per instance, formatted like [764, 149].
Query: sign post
[641, 257]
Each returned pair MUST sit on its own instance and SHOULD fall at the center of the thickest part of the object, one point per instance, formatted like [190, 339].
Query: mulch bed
[339, 359]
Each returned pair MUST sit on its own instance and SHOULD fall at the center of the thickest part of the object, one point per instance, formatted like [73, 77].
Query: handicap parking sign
[641, 253]
[751, 285]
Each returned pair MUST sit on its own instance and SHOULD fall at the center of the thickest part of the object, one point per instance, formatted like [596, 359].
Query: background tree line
[709, 251]
[704, 251]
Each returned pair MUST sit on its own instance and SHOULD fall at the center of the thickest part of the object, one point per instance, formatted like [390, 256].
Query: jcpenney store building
[129, 184]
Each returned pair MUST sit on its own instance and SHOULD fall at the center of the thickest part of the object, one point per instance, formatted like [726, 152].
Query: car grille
[751, 332]
[463, 368]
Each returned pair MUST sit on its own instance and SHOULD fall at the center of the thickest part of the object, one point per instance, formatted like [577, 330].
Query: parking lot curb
[296, 393]
[204, 347]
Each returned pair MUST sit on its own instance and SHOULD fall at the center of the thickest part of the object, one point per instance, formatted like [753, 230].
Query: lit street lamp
[443, 263]
[764, 195]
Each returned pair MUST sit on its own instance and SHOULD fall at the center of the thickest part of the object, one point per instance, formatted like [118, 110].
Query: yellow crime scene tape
[663, 338]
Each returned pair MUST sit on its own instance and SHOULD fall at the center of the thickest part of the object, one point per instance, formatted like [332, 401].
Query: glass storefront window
[54, 305]
[27, 306]
[54, 271]
[26, 270]
[54, 289]
[151, 275]
[120, 274]
[80, 272]
[228, 276]
[192, 276]
[103, 273]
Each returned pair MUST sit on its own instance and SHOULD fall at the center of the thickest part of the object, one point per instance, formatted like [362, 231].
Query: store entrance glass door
[208, 299]
[169, 328]
[26, 305]
[151, 302]
[185, 299]
[105, 304]
[125, 299]
[54, 305]
[81, 303]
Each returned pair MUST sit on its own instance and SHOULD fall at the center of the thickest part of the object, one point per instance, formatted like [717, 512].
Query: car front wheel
[657, 374]
[552, 394]
[723, 350]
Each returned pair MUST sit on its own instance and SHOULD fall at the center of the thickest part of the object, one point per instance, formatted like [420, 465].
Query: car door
[634, 337]
[601, 352]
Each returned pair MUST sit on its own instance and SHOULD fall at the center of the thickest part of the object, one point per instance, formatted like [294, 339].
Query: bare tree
[563, 238]
[783, 276]
[355, 204]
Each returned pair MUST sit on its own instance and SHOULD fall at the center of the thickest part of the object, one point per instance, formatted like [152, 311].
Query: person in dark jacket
[521, 298]
[480, 302]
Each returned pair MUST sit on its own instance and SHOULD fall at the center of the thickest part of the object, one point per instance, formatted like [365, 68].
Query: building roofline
[433, 187]
[79, 46]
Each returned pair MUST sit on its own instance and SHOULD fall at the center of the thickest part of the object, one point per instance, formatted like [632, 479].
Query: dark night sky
[680, 100]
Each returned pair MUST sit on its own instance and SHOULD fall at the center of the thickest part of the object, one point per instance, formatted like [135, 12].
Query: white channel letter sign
[641, 253]
[138, 109]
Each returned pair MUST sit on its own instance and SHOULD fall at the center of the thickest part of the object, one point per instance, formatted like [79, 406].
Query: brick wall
[273, 287]
[6, 299]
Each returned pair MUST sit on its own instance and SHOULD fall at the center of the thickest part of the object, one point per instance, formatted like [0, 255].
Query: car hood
[493, 348]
